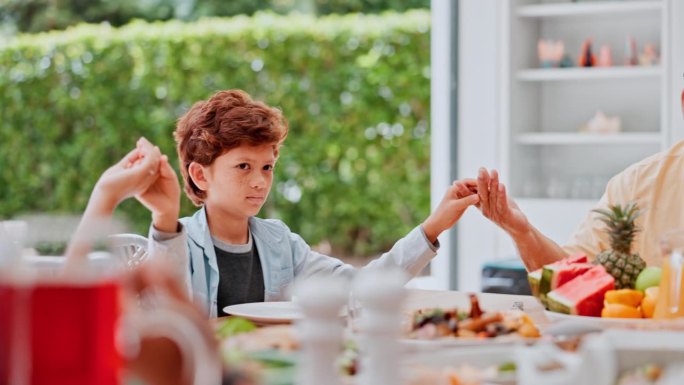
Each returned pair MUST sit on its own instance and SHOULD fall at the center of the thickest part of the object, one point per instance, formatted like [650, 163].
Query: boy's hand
[457, 199]
[497, 206]
[162, 197]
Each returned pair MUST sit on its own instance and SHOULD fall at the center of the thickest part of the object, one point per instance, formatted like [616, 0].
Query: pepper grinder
[380, 294]
[320, 330]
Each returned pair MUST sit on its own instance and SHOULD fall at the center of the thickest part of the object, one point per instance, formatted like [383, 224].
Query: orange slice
[618, 310]
[627, 297]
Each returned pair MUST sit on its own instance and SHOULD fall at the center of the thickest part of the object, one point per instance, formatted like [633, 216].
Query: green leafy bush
[354, 171]
[45, 15]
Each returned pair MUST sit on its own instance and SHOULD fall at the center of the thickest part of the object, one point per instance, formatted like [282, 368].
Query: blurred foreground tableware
[380, 294]
[473, 365]
[59, 332]
[602, 359]
[72, 329]
[320, 330]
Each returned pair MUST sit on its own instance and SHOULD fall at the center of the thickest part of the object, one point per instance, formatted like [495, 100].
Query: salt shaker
[320, 330]
[380, 293]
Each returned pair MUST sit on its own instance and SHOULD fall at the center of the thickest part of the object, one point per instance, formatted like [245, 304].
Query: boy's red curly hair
[228, 120]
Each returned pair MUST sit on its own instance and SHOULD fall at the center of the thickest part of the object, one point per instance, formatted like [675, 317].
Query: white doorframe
[472, 140]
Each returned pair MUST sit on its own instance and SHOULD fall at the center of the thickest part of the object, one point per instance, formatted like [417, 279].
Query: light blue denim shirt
[284, 256]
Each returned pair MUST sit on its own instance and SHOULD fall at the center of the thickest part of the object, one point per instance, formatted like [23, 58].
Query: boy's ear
[196, 172]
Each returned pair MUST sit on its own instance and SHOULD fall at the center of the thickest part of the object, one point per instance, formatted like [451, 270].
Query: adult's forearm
[97, 214]
[537, 250]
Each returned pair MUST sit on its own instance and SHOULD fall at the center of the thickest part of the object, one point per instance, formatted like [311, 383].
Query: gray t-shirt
[241, 278]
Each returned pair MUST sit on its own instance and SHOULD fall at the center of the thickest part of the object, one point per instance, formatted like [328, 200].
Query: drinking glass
[74, 328]
[670, 302]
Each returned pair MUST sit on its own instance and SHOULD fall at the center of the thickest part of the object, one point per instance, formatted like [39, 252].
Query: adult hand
[460, 195]
[162, 197]
[133, 174]
[497, 206]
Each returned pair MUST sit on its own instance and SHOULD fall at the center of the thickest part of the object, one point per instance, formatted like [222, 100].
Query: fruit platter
[616, 288]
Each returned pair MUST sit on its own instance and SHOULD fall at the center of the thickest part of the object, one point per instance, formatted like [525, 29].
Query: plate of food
[458, 327]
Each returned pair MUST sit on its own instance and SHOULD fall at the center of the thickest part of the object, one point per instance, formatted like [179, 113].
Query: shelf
[560, 74]
[525, 202]
[583, 9]
[550, 138]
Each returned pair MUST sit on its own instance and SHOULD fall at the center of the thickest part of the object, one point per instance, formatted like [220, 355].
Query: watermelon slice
[556, 274]
[575, 258]
[534, 278]
[583, 295]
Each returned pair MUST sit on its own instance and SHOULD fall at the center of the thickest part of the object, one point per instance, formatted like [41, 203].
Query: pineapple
[619, 260]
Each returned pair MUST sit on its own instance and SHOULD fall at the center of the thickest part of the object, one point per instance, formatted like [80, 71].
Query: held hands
[133, 174]
[146, 174]
[162, 197]
[460, 195]
[497, 206]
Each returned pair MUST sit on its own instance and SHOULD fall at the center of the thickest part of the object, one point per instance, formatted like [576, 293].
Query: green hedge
[354, 171]
[45, 15]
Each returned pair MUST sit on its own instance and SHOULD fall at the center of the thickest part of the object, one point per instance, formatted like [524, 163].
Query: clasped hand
[146, 174]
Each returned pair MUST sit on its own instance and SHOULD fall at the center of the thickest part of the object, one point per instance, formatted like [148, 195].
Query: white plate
[276, 312]
[266, 312]
[605, 323]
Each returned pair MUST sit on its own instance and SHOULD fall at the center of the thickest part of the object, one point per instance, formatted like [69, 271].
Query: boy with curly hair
[228, 148]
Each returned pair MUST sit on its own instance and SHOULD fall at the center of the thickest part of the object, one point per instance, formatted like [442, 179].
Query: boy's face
[238, 182]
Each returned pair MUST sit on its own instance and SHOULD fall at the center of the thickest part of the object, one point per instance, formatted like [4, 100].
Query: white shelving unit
[543, 109]
[554, 171]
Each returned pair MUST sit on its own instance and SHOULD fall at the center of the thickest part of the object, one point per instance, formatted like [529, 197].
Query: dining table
[611, 348]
